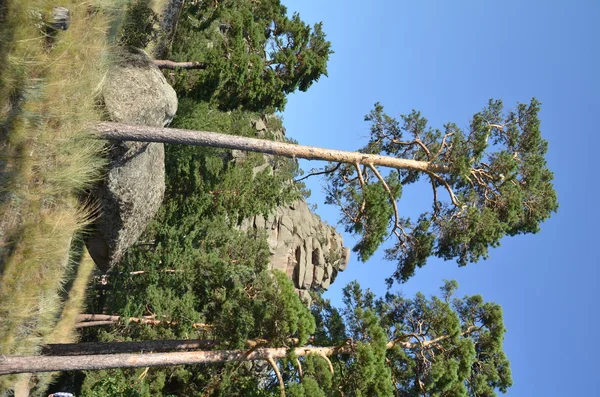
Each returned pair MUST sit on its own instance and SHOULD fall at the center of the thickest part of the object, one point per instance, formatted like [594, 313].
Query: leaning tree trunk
[168, 26]
[33, 364]
[124, 132]
[87, 348]
[69, 356]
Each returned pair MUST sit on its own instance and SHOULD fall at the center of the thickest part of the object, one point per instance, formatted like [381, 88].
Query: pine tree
[249, 54]
[487, 182]
[387, 346]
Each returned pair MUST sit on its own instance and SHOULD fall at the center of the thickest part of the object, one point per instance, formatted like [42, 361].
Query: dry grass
[47, 99]
[64, 331]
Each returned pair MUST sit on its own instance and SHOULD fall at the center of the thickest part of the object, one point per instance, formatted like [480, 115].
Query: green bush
[139, 27]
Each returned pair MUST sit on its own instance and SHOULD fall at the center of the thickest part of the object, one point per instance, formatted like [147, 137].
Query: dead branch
[325, 171]
[279, 378]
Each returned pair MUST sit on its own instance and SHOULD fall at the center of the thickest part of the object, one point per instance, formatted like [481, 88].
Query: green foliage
[494, 176]
[309, 387]
[233, 187]
[116, 383]
[217, 274]
[255, 53]
[414, 347]
[139, 26]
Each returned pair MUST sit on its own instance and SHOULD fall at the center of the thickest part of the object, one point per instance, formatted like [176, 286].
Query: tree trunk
[94, 356]
[86, 348]
[124, 132]
[164, 64]
[80, 349]
[168, 26]
[33, 364]
[91, 320]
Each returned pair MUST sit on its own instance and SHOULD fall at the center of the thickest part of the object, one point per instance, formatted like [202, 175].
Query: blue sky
[447, 59]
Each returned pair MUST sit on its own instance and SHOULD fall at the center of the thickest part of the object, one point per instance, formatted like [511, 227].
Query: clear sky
[447, 58]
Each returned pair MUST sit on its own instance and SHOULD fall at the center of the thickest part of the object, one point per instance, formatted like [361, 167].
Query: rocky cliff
[307, 249]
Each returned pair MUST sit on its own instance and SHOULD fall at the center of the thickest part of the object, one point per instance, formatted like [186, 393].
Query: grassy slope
[47, 95]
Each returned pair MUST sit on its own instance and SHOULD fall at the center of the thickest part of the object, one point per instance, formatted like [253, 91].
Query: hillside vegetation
[194, 274]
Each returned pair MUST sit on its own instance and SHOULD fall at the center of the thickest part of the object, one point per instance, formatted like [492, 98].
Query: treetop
[487, 181]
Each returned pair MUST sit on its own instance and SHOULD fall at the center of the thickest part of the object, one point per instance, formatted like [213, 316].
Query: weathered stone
[304, 247]
[135, 92]
[305, 296]
[129, 197]
[328, 276]
[345, 258]
[318, 275]
[260, 125]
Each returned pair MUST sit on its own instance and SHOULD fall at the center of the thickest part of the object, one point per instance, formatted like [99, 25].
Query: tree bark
[34, 364]
[88, 324]
[168, 26]
[165, 64]
[90, 320]
[124, 132]
[68, 357]
[80, 349]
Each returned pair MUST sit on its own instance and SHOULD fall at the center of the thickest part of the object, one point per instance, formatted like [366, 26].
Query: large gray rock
[135, 92]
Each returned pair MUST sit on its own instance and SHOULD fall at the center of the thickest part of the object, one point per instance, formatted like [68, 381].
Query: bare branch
[417, 142]
[325, 171]
[361, 179]
[86, 320]
[324, 356]
[441, 149]
[166, 64]
[160, 271]
[497, 126]
[279, 378]
[352, 218]
[436, 209]
[299, 365]
[448, 188]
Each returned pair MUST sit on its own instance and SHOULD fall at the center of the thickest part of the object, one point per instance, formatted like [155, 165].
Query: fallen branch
[86, 320]
[165, 64]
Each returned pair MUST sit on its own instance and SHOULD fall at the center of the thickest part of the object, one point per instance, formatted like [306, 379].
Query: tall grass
[48, 90]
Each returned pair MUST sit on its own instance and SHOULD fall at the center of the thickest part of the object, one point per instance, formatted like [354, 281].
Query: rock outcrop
[307, 249]
[135, 92]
